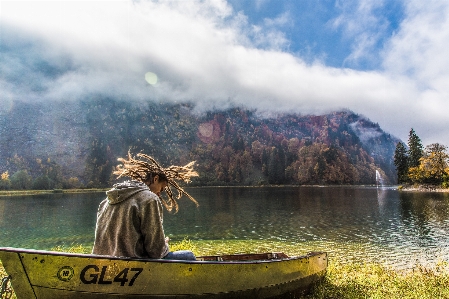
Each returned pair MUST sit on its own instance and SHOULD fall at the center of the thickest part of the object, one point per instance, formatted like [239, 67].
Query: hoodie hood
[122, 191]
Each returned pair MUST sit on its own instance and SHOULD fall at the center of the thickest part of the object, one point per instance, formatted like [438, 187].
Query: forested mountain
[77, 143]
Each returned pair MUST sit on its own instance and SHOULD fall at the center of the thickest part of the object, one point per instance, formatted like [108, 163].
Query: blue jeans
[186, 255]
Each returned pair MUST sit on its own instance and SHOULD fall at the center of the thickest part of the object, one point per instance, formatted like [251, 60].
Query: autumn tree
[292, 150]
[433, 167]
[400, 161]
[256, 151]
[5, 182]
[73, 183]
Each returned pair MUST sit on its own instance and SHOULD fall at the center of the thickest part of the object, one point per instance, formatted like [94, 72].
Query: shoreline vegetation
[424, 168]
[406, 188]
[423, 188]
[344, 279]
[54, 191]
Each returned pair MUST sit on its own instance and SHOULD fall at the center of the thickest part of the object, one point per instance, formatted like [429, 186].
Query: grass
[376, 281]
[344, 279]
[36, 192]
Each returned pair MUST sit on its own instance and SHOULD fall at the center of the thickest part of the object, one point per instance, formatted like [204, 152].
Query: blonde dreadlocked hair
[146, 168]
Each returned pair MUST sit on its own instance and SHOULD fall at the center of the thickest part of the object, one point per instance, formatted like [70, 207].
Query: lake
[399, 229]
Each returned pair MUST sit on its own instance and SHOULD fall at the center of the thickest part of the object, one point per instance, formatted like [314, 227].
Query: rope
[6, 290]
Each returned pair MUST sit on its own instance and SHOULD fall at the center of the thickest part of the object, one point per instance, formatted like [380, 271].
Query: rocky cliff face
[82, 139]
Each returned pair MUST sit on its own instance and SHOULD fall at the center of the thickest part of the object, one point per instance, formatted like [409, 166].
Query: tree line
[232, 147]
[334, 155]
[421, 165]
[47, 176]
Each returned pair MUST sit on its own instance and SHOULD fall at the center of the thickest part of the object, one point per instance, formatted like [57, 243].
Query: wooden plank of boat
[45, 274]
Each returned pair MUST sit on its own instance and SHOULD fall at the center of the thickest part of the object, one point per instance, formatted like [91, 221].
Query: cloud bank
[206, 53]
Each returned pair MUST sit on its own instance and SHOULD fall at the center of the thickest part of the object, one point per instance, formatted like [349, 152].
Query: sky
[384, 59]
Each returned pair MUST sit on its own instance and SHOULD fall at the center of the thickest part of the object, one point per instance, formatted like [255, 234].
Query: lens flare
[151, 78]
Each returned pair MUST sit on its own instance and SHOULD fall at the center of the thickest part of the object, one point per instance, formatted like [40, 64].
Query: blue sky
[385, 59]
[323, 29]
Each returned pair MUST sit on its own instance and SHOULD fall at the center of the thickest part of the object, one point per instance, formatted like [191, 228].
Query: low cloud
[364, 133]
[208, 54]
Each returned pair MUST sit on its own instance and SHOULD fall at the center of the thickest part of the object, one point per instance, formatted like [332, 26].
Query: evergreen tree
[281, 166]
[272, 166]
[415, 149]
[276, 166]
[400, 161]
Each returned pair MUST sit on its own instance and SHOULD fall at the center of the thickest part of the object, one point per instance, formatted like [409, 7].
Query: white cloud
[363, 26]
[204, 52]
[418, 51]
[260, 3]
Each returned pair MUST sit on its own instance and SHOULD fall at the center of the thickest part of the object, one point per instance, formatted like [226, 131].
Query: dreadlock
[146, 168]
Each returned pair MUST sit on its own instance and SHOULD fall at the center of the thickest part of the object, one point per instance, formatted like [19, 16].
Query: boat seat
[244, 257]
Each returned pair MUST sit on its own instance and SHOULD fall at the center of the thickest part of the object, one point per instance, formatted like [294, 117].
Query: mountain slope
[72, 144]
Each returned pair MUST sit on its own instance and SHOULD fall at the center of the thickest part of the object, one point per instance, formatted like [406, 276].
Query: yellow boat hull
[45, 274]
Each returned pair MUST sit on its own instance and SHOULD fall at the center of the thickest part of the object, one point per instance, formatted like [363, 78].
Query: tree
[21, 180]
[99, 166]
[433, 167]
[43, 182]
[435, 162]
[5, 183]
[265, 161]
[73, 183]
[276, 166]
[415, 149]
[400, 161]
[438, 159]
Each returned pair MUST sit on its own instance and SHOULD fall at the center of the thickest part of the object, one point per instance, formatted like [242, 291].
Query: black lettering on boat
[103, 272]
[91, 275]
[122, 277]
[138, 271]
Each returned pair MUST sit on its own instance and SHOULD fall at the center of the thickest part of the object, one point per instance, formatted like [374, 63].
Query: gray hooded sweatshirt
[129, 223]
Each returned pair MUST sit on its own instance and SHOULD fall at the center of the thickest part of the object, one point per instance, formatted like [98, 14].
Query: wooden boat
[47, 274]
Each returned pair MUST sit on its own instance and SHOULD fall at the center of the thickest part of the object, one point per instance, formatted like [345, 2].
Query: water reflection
[397, 228]
[299, 214]
[381, 199]
[393, 227]
[44, 221]
[426, 217]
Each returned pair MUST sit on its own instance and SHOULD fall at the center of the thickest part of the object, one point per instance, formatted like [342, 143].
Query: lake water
[396, 228]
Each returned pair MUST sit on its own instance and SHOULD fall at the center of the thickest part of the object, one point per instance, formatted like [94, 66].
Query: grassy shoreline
[344, 279]
[54, 191]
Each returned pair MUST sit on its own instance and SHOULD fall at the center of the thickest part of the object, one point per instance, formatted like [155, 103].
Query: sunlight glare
[151, 78]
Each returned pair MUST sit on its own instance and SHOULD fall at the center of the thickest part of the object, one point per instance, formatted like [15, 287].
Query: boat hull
[44, 274]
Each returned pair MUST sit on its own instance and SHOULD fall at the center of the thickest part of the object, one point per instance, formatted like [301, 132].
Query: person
[130, 219]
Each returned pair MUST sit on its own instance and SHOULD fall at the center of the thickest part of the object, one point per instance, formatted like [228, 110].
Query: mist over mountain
[77, 143]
